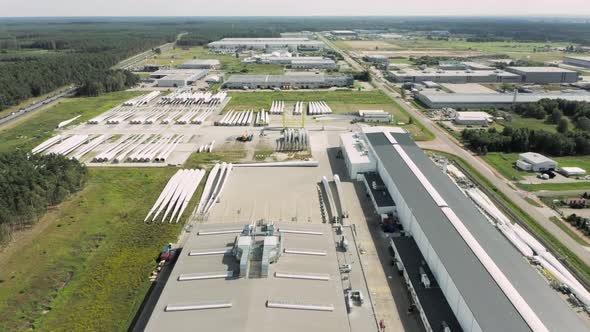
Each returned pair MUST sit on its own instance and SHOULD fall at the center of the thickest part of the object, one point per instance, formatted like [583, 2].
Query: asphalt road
[36, 106]
[444, 142]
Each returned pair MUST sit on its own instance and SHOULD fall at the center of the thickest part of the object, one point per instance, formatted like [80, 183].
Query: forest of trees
[29, 184]
[566, 141]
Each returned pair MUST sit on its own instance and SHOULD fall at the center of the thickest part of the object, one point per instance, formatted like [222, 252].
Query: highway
[132, 61]
[444, 142]
[36, 106]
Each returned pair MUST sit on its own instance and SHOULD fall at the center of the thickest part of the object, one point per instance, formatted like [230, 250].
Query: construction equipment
[245, 137]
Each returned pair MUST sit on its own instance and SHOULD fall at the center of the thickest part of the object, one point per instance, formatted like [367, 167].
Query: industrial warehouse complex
[454, 76]
[577, 61]
[294, 81]
[292, 44]
[482, 100]
[486, 283]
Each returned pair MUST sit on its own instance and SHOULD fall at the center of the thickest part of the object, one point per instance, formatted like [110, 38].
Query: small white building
[571, 171]
[356, 155]
[472, 118]
[531, 161]
[375, 116]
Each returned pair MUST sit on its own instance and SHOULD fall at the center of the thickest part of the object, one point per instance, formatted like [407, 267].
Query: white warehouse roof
[535, 158]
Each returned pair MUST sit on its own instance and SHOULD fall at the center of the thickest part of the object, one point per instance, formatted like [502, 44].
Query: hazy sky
[291, 8]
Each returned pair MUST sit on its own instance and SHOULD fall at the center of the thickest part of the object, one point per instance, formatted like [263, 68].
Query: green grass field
[32, 130]
[569, 231]
[516, 50]
[229, 63]
[503, 163]
[581, 185]
[530, 123]
[88, 270]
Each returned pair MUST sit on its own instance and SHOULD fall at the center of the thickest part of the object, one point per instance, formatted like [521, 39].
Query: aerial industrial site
[344, 179]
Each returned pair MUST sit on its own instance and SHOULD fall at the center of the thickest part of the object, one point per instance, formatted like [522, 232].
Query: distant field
[229, 63]
[517, 50]
[88, 268]
[27, 133]
[503, 162]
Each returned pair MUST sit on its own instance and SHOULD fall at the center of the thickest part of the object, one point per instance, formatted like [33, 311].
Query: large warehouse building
[200, 64]
[544, 74]
[577, 61]
[486, 281]
[178, 77]
[483, 100]
[295, 81]
[453, 76]
[293, 44]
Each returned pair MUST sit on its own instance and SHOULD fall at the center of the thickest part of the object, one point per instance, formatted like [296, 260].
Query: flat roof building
[544, 74]
[535, 162]
[200, 64]
[304, 63]
[483, 100]
[484, 278]
[343, 33]
[297, 81]
[178, 77]
[577, 61]
[375, 116]
[453, 76]
[270, 277]
[571, 171]
[472, 118]
[293, 44]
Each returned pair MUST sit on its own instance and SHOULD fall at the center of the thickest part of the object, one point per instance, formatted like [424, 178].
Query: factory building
[577, 61]
[304, 63]
[344, 33]
[295, 81]
[200, 64]
[465, 65]
[376, 116]
[292, 44]
[472, 118]
[376, 58]
[300, 34]
[451, 247]
[535, 162]
[483, 100]
[178, 77]
[453, 76]
[283, 277]
[544, 74]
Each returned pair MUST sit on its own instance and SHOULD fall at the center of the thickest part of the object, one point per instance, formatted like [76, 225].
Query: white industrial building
[293, 44]
[305, 63]
[571, 171]
[535, 162]
[453, 76]
[473, 118]
[295, 81]
[178, 77]
[344, 33]
[577, 61]
[375, 116]
[483, 277]
[484, 100]
[300, 34]
[200, 64]
[544, 74]
[464, 65]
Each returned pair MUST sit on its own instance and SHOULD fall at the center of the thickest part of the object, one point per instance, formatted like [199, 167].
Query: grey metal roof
[540, 70]
[488, 303]
[500, 98]
[208, 62]
[278, 79]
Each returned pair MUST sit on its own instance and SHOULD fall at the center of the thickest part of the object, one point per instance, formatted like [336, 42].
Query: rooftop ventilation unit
[198, 306]
[299, 306]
